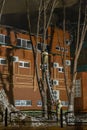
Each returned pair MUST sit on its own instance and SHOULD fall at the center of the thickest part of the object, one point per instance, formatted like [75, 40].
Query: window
[60, 69]
[55, 65]
[39, 46]
[58, 48]
[39, 103]
[24, 43]
[3, 61]
[56, 94]
[62, 49]
[66, 50]
[67, 42]
[4, 40]
[78, 88]
[23, 102]
[68, 62]
[64, 103]
[55, 82]
[15, 58]
[24, 64]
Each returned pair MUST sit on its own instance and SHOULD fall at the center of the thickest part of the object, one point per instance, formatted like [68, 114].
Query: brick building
[17, 68]
[81, 81]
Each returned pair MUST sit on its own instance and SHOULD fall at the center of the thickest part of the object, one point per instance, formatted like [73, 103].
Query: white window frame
[16, 58]
[68, 62]
[58, 48]
[64, 103]
[67, 42]
[78, 88]
[39, 103]
[23, 62]
[53, 82]
[60, 71]
[2, 59]
[26, 42]
[56, 94]
[23, 103]
[55, 65]
[3, 39]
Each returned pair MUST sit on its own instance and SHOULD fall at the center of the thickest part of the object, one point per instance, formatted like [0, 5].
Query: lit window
[3, 61]
[24, 43]
[23, 102]
[24, 64]
[39, 103]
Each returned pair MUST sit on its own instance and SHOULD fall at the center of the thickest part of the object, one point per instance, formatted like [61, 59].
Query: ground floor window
[23, 102]
[39, 103]
[64, 103]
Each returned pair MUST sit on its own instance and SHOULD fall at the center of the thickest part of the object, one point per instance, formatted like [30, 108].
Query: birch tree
[79, 44]
[46, 7]
[70, 90]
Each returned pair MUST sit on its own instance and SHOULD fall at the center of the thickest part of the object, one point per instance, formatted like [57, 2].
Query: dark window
[58, 48]
[26, 64]
[19, 42]
[23, 43]
[2, 37]
[39, 46]
[7, 39]
[3, 61]
[29, 45]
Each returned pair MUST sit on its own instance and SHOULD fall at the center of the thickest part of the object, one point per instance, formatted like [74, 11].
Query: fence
[67, 118]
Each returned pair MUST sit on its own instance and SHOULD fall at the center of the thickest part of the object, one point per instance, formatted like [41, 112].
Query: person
[45, 60]
[58, 109]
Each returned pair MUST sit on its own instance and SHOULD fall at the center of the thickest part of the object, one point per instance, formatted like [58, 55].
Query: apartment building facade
[81, 81]
[17, 66]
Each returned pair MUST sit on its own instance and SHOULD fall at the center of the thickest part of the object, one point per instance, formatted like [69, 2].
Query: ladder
[50, 87]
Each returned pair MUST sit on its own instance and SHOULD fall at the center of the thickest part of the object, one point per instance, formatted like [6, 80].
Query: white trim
[55, 64]
[3, 38]
[23, 66]
[61, 69]
[3, 59]
[23, 103]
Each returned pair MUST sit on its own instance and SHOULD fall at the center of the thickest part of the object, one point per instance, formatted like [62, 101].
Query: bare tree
[46, 7]
[79, 44]
[70, 90]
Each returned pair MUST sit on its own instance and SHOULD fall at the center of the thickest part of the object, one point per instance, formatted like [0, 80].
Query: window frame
[3, 39]
[26, 43]
[3, 59]
[23, 62]
[23, 101]
[62, 69]
[39, 105]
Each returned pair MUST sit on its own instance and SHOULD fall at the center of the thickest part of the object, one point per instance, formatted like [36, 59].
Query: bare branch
[4, 1]
[53, 6]
[78, 30]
